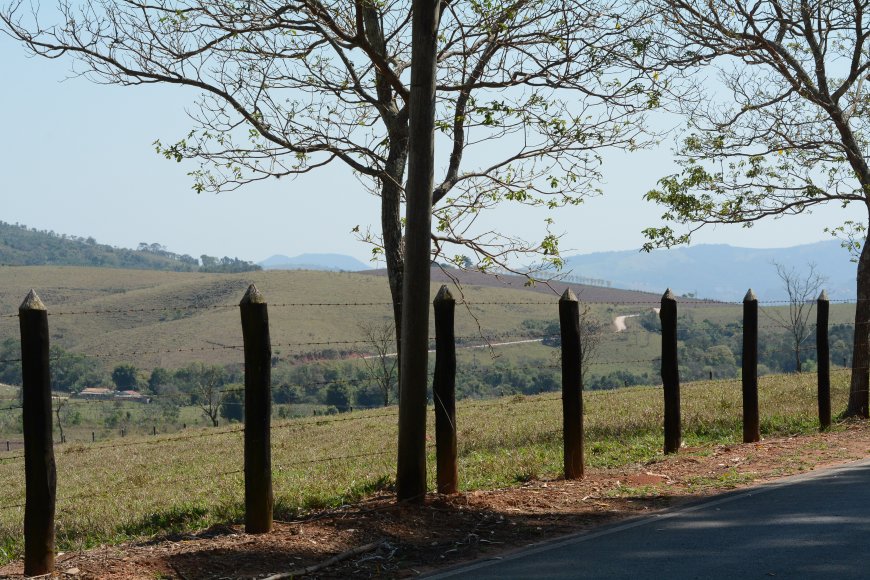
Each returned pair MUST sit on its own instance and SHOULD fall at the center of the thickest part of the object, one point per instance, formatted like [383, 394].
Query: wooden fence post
[751, 429]
[444, 392]
[572, 393]
[39, 469]
[670, 372]
[258, 413]
[823, 357]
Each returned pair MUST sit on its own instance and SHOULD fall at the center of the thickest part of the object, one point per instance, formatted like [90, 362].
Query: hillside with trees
[175, 336]
[24, 246]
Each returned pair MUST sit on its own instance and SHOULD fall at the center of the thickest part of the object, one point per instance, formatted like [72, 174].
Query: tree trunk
[797, 358]
[391, 225]
[59, 422]
[861, 346]
[413, 377]
[396, 121]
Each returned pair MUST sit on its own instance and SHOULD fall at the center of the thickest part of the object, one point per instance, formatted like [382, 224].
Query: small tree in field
[205, 385]
[233, 403]
[382, 366]
[125, 377]
[802, 290]
[61, 411]
[591, 330]
[339, 395]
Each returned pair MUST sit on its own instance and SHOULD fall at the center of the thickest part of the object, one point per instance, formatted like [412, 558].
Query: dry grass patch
[137, 487]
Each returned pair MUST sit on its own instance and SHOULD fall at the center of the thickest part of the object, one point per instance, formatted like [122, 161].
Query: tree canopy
[528, 93]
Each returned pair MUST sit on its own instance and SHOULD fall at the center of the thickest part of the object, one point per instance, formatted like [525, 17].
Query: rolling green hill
[111, 313]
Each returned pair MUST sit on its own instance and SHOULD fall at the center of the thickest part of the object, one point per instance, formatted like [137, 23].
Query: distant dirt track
[619, 321]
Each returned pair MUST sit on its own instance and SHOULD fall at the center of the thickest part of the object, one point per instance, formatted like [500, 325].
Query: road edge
[646, 519]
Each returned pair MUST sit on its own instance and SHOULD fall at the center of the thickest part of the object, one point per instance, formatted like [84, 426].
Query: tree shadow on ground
[411, 538]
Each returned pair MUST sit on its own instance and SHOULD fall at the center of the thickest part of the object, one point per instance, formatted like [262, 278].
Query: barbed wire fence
[477, 341]
[352, 349]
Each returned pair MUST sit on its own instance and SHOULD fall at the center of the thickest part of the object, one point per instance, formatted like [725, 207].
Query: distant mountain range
[714, 271]
[329, 262]
[718, 271]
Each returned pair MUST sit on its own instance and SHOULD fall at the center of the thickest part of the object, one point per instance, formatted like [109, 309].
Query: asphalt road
[815, 525]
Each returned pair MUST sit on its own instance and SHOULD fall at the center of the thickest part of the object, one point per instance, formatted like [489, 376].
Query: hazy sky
[78, 158]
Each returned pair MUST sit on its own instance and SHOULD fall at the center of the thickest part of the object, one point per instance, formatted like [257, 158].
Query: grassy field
[139, 486]
[102, 421]
[169, 319]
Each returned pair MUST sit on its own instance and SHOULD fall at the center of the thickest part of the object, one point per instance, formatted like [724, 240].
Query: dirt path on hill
[619, 321]
[407, 540]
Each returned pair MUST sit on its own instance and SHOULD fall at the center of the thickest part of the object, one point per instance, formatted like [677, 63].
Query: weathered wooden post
[444, 392]
[823, 356]
[751, 428]
[258, 412]
[572, 393]
[40, 474]
[670, 372]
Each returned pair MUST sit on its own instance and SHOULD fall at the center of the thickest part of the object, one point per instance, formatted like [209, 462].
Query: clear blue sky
[78, 158]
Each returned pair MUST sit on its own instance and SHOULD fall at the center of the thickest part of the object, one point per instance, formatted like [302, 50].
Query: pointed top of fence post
[31, 302]
[750, 296]
[568, 296]
[823, 297]
[669, 295]
[252, 296]
[444, 295]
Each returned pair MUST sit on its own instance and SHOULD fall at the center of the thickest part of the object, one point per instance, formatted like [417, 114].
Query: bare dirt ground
[401, 541]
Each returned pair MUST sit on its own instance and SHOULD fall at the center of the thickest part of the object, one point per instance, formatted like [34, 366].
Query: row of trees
[23, 246]
[708, 347]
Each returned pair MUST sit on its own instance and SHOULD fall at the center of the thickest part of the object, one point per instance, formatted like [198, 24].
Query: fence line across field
[688, 302]
[323, 421]
[257, 347]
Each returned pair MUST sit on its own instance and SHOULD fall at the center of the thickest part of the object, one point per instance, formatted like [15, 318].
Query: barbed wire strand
[552, 303]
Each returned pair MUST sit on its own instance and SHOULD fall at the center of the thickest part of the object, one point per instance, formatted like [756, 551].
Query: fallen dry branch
[326, 563]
